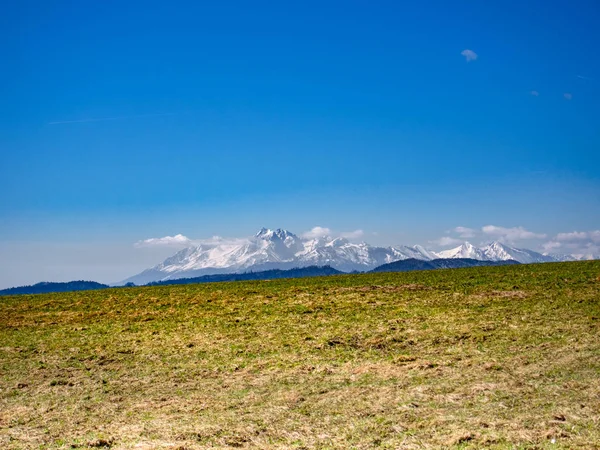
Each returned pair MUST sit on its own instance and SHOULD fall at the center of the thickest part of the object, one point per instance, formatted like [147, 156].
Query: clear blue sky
[222, 117]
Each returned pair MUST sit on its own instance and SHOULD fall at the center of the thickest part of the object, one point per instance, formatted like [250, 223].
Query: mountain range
[280, 249]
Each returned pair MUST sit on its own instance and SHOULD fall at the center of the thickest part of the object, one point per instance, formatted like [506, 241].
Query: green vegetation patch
[495, 357]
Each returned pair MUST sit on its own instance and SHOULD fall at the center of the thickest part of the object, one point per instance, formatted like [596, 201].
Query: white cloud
[317, 232]
[582, 77]
[218, 240]
[550, 246]
[465, 232]
[577, 237]
[469, 55]
[573, 236]
[356, 234]
[568, 96]
[535, 93]
[446, 241]
[510, 234]
[179, 240]
[582, 244]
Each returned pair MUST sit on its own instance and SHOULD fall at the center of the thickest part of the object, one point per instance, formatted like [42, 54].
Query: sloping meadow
[493, 357]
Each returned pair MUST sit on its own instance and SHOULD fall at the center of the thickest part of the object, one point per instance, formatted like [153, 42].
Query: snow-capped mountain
[276, 249]
[466, 250]
[574, 257]
[281, 249]
[496, 251]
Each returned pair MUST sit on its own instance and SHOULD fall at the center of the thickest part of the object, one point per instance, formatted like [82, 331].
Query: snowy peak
[417, 252]
[269, 235]
[496, 251]
[338, 242]
[263, 232]
[421, 252]
[466, 250]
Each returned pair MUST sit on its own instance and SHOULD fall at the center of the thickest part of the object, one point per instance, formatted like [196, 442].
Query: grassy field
[497, 357]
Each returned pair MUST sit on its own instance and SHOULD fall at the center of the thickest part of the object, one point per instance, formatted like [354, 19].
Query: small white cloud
[356, 234]
[218, 240]
[535, 93]
[573, 236]
[510, 234]
[582, 77]
[465, 232]
[317, 232]
[446, 241]
[568, 96]
[179, 240]
[469, 55]
[551, 246]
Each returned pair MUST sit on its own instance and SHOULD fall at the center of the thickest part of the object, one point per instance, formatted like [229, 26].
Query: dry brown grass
[500, 357]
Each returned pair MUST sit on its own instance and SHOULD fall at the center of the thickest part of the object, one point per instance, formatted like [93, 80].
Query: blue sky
[122, 121]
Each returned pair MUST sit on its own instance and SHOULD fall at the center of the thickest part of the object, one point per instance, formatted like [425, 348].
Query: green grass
[498, 357]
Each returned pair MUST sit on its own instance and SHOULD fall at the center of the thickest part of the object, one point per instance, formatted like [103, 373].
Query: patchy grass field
[499, 357]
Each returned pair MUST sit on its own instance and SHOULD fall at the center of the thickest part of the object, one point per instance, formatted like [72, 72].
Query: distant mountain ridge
[409, 265]
[46, 287]
[274, 274]
[281, 249]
